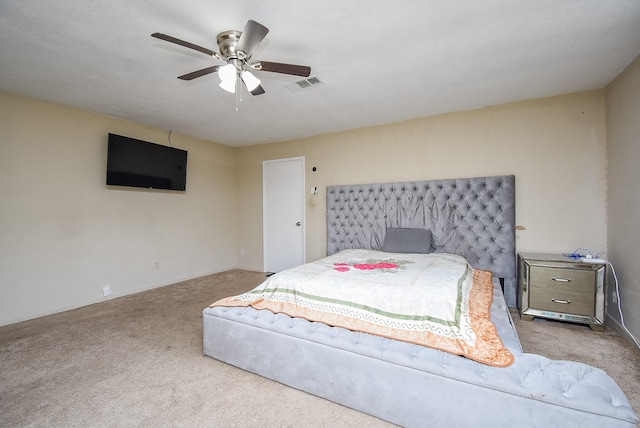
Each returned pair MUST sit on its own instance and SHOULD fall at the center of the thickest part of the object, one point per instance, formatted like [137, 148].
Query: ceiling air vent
[308, 83]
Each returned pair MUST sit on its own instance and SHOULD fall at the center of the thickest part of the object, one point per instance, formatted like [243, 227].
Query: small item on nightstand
[593, 260]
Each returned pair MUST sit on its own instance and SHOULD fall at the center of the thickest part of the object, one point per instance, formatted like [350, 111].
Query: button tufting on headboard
[472, 217]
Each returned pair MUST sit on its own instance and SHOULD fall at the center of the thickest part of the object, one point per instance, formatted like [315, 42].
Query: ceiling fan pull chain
[238, 92]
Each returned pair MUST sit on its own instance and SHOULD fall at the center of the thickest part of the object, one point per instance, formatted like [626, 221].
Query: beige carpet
[137, 361]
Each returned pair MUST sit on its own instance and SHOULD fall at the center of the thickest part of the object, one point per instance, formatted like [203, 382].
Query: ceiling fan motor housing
[227, 42]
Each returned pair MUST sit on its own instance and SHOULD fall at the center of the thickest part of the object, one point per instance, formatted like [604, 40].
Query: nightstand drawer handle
[564, 302]
[561, 279]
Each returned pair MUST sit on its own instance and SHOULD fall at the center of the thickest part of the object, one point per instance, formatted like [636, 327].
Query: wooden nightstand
[557, 287]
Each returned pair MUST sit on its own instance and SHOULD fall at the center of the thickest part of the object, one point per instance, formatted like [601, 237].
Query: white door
[283, 213]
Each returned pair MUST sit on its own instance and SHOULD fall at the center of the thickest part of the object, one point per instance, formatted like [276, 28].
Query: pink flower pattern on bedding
[371, 265]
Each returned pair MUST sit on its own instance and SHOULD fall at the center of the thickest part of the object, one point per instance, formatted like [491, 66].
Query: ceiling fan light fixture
[250, 80]
[229, 86]
[228, 76]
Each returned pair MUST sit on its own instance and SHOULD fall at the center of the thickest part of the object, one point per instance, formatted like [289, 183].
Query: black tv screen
[137, 163]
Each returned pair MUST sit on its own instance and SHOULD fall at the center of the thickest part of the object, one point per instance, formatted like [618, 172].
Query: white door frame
[301, 201]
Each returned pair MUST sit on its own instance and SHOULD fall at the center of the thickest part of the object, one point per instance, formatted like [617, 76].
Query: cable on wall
[620, 305]
[578, 255]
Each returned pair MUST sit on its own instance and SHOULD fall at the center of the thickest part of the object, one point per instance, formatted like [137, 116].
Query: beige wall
[64, 234]
[623, 179]
[555, 146]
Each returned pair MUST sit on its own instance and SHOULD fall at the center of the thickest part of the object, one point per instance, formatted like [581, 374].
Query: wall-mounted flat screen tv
[137, 163]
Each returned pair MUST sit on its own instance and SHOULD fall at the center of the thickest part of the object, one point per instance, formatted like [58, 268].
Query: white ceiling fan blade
[251, 37]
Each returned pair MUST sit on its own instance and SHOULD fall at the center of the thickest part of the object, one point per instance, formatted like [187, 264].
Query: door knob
[298, 224]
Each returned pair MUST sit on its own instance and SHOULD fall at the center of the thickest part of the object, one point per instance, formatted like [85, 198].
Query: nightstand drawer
[563, 279]
[563, 301]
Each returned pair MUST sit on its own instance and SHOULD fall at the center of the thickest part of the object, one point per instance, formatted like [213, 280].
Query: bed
[404, 381]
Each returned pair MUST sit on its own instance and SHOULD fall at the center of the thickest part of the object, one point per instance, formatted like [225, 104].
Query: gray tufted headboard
[471, 217]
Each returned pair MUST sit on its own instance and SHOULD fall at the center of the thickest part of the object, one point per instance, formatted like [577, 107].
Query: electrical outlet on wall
[106, 291]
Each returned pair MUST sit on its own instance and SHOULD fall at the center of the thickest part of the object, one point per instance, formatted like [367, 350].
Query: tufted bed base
[414, 386]
[411, 385]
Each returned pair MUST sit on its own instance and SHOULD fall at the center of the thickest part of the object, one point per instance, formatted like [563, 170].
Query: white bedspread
[436, 300]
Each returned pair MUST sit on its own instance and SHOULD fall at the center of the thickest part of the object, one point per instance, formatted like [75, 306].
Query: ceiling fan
[236, 48]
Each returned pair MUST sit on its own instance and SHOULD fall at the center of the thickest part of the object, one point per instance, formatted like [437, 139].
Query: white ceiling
[381, 61]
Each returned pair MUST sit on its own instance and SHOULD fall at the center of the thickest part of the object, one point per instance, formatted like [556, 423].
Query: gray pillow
[402, 240]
